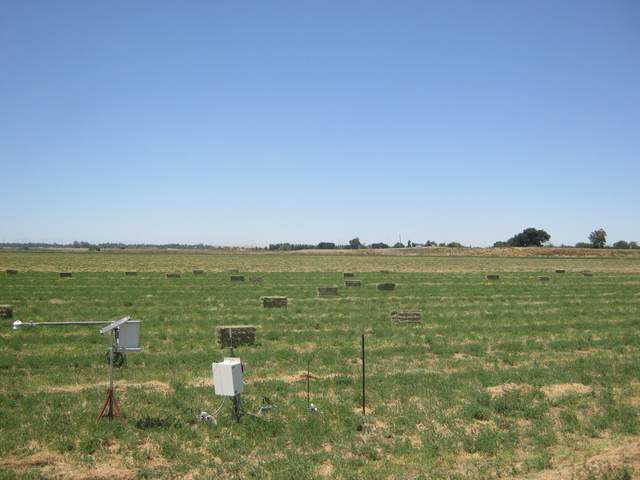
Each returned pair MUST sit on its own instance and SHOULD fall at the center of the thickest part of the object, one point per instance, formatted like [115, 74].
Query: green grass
[430, 413]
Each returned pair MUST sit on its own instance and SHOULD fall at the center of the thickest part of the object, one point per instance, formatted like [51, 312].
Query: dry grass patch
[499, 390]
[559, 390]
[56, 466]
[325, 469]
[609, 459]
[121, 386]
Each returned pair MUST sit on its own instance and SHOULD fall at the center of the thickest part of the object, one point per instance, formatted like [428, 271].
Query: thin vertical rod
[363, 378]
[308, 383]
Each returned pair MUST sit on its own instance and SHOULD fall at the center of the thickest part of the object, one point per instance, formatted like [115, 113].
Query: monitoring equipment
[125, 337]
[227, 377]
[227, 381]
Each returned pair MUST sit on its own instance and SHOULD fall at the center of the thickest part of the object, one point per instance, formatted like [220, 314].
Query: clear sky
[246, 123]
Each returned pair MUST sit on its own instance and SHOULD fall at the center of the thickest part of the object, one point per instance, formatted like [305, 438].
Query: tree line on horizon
[529, 237]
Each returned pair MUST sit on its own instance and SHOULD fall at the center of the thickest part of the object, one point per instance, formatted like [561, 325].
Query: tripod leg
[104, 408]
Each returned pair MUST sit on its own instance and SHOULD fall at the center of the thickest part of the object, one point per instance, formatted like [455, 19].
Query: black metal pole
[308, 383]
[363, 378]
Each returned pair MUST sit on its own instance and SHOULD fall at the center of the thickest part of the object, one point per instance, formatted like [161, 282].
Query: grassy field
[514, 378]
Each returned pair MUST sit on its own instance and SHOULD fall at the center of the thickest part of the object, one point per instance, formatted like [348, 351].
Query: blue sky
[254, 122]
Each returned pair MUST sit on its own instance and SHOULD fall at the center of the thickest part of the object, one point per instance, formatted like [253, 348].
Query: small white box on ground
[227, 377]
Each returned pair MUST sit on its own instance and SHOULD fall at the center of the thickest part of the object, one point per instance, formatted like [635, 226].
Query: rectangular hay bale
[131, 274]
[237, 278]
[65, 274]
[386, 286]
[6, 311]
[493, 276]
[11, 271]
[406, 316]
[274, 302]
[327, 291]
[347, 275]
[239, 334]
[173, 275]
[198, 272]
[560, 270]
[352, 283]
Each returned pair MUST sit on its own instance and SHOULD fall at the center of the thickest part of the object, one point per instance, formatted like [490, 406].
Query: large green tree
[598, 238]
[355, 243]
[529, 237]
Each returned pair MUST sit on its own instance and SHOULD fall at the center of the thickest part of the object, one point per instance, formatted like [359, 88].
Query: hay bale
[560, 270]
[198, 272]
[274, 302]
[347, 275]
[543, 279]
[385, 271]
[240, 334]
[386, 286]
[406, 316]
[11, 271]
[493, 276]
[6, 311]
[65, 274]
[352, 283]
[256, 280]
[173, 275]
[131, 274]
[587, 274]
[237, 278]
[327, 291]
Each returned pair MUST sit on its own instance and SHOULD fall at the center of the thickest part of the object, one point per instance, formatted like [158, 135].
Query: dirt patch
[500, 390]
[57, 301]
[559, 390]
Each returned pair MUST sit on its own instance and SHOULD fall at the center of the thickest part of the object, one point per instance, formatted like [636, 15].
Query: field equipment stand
[111, 405]
[125, 337]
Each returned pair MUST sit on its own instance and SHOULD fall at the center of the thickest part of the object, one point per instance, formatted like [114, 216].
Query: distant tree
[633, 245]
[598, 238]
[583, 245]
[500, 244]
[430, 243]
[529, 237]
[326, 245]
[454, 245]
[355, 243]
[410, 244]
[398, 245]
[379, 245]
[621, 244]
